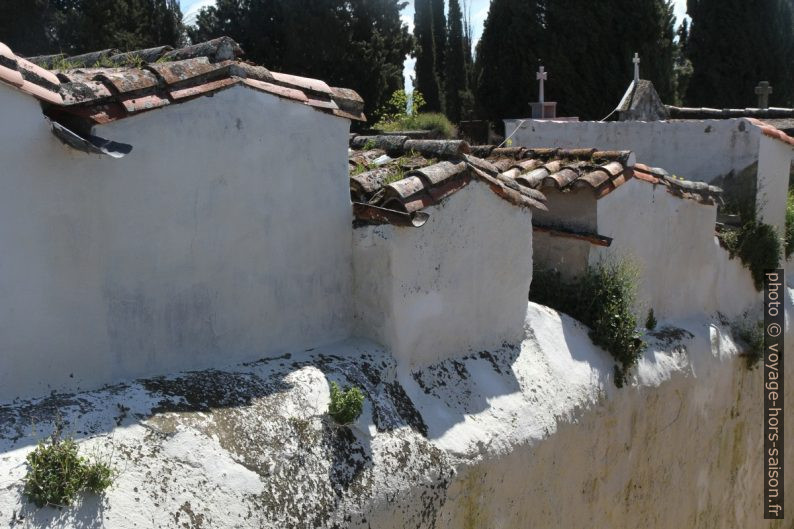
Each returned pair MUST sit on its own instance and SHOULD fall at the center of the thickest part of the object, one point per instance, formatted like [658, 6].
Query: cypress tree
[507, 58]
[455, 81]
[726, 73]
[590, 62]
[439, 37]
[427, 80]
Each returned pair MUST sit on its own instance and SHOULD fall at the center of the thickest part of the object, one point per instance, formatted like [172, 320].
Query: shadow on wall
[88, 514]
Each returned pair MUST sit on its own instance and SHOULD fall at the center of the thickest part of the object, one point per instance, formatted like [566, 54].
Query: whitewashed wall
[457, 284]
[683, 272]
[695, 150]
[774, 164]
[224, 236]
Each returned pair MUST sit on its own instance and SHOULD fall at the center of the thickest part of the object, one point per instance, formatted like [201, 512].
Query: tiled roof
[137, 81]
[403, 176]
[393, 178]
[561, 169]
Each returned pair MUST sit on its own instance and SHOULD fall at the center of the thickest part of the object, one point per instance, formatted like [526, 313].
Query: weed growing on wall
[57, 474]
[345, 406]
[650, 321]
[601, 298]
[757, 244]
[752, 334]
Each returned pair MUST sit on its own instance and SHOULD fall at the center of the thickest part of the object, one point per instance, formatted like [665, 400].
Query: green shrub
[789, 242]
[650, 321]
[57, 474]
[752, 334]
[434, 122]
[602, 299]
[757, 245]
[345, 406]
[403, 112]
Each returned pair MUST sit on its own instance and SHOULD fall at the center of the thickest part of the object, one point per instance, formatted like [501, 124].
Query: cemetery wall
[457, 284]
[219, 238]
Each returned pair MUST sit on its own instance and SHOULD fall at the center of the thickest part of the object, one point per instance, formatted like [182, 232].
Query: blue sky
[478, 10]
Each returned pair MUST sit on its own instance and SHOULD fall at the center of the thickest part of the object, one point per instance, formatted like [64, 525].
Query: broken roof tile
[144, 102]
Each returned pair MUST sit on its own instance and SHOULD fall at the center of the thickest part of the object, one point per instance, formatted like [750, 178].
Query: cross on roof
[763, 90]
[636, 61]
[542, 76]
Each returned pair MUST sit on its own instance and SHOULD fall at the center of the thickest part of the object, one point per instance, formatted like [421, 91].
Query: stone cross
[762, 91]
[636, 61]
[542, 76]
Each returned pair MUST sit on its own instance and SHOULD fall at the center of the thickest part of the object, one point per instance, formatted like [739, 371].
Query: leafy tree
[455, 82]
[78, 26]
[427, 80]
[726, 71]
[25, 25]
[359, 44]
[507, 57]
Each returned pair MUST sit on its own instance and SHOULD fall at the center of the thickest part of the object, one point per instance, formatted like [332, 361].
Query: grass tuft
[57, 474]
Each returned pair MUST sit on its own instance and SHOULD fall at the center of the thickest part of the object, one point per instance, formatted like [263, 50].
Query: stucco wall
[683, 272]
[568, 256]
[575, 209]
[695, 150]
[457, 284]
[774, 165]
[223, 236]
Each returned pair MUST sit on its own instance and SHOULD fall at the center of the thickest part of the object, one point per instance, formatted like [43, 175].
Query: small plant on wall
[758, 245]
[57, 474]
[752, 334]
[346, 405]
[601, 298]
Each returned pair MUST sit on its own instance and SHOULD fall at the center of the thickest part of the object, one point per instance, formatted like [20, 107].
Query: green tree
[25, 26]
[427, 80]
[34, 27]
[439, 36]
[734, 44]
[590, 63]
[359, 44]
[455, 80]
[507, 57]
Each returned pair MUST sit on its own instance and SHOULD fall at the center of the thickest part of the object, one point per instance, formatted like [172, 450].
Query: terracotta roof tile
[406, 176]
[140, 81]
[772, 132]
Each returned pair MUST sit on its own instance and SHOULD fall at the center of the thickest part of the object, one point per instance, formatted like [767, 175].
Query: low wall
[457, 284]
[223, 236]
[683, 271]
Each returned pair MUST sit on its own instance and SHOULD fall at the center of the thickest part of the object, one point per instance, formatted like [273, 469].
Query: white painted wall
[774, 166]
[683, 272]
[457, 284]
[695, 150]
[224, 236]
[568, 256]
[574, 209]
